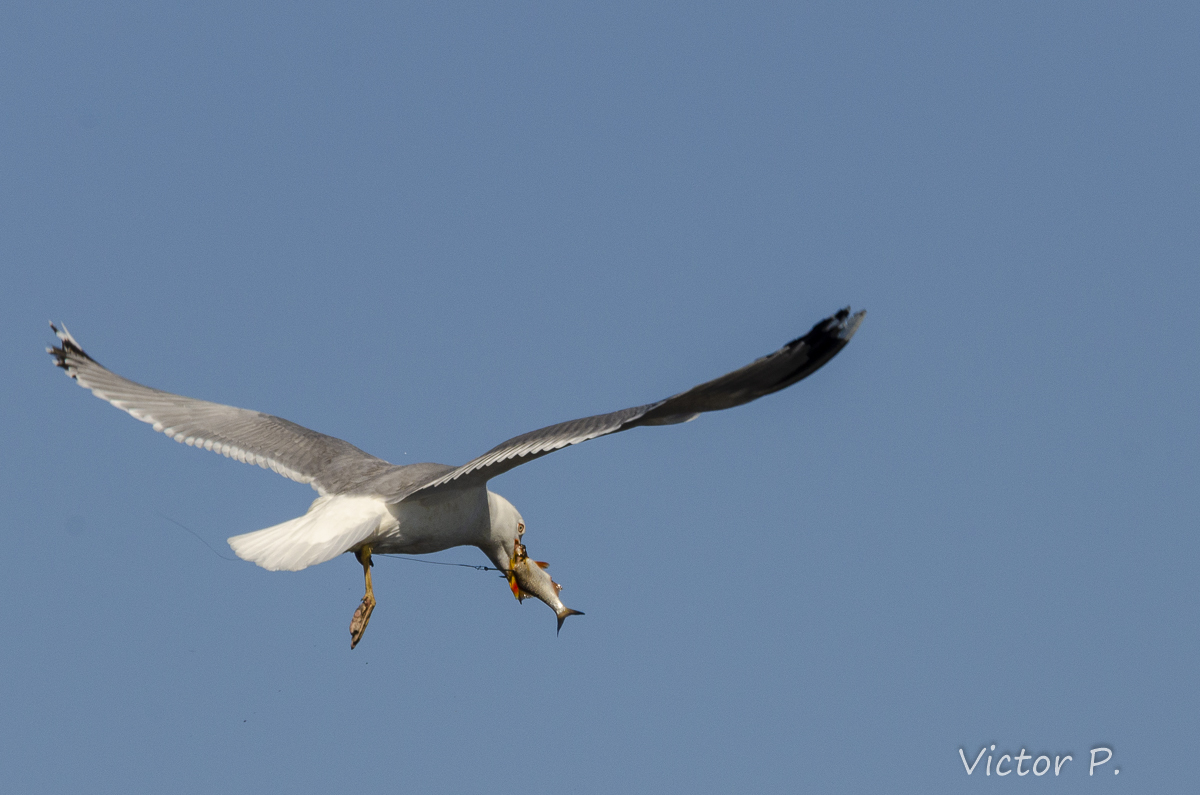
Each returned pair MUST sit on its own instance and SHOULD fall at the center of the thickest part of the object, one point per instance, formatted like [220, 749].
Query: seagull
[368, 506]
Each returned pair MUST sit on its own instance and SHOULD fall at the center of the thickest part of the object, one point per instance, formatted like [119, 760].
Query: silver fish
[528, 577]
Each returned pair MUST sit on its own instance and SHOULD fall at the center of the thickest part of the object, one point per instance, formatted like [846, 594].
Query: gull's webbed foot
[362, 615]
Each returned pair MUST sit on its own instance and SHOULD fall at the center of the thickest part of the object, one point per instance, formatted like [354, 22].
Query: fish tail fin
[562, 616]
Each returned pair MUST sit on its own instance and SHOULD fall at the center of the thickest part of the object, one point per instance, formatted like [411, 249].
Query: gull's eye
[520, 528]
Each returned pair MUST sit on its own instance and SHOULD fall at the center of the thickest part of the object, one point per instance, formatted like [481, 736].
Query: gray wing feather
[799, 358]
[330, 465]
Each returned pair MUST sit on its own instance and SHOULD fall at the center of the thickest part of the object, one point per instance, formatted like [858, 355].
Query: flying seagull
[368, 506]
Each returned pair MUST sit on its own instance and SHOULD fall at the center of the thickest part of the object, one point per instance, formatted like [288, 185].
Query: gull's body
[367, 505]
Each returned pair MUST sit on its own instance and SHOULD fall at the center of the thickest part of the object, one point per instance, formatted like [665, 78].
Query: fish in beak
[528, 577]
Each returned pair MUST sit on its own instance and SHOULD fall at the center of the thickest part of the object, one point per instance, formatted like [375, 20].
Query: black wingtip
[850, 325]
[67, 347]
[840, 325]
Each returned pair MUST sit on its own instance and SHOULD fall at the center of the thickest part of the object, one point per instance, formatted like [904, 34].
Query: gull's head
[507, 527]
[505, 537]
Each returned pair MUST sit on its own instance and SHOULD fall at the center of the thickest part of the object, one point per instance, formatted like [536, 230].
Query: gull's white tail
[333, 525]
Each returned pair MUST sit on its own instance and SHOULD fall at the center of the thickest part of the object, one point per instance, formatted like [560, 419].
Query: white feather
[333, 525]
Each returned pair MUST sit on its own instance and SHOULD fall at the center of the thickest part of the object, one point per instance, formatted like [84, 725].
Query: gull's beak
[518, 555]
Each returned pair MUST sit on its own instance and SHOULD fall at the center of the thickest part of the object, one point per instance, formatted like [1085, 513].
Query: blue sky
[425, 229]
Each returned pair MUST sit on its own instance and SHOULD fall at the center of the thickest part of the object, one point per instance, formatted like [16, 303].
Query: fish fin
[566, 611]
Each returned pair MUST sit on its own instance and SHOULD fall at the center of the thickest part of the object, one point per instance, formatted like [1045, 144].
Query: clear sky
[428, 228]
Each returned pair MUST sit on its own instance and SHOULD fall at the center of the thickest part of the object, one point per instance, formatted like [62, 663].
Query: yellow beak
[517, 557]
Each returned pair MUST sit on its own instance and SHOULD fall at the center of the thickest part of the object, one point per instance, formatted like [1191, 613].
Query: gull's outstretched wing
[773, 372]
[331, 465]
